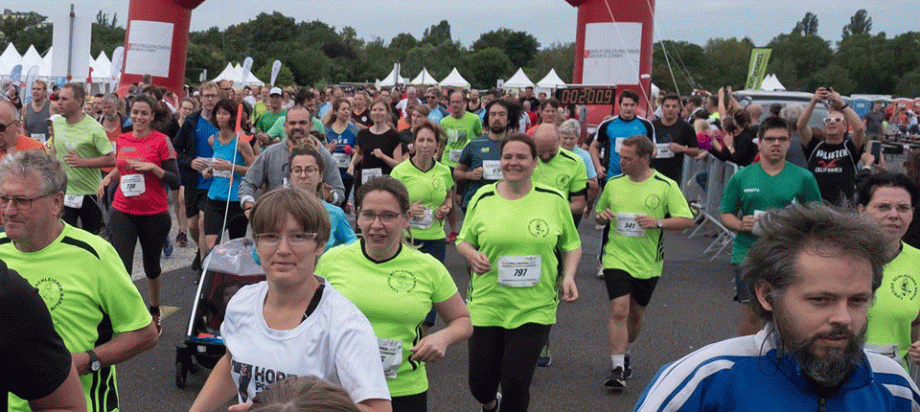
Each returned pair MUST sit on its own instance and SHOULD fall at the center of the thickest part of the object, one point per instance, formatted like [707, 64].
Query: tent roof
[518, 81]
[9, 59]
[551, 81]
[771, 83]
[31, 58]
[454, 79]
[393, 78]
[235, 75]
[424, 78]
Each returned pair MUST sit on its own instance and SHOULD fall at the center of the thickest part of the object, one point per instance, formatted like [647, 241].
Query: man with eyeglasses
[433, 100]
[10, 139]
[95, 307]
[194, 153]
[833, 160]
[769, 184]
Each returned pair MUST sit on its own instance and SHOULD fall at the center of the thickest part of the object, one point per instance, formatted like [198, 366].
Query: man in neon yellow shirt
[633, 255]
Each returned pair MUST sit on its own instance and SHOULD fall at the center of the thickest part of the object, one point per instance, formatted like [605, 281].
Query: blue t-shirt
[203, 130]
[220, 186]
[589, 164]
[435, 115]
[340, 232]
[477, 150]
[323, 109]
[619, 129]
[346, 138]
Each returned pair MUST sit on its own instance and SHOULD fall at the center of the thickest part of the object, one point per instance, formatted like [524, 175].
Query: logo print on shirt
[904, 287]
[652, 201]
[51, 292]
[562, 181]
[402, 281]
[538, 228]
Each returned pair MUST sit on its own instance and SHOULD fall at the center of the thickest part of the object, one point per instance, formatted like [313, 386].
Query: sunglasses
[4, 126]
[833, 119]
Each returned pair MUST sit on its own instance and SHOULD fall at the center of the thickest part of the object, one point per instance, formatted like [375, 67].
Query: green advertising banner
[757, 69]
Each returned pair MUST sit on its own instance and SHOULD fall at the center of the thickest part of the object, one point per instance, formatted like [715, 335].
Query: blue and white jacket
[749, 373]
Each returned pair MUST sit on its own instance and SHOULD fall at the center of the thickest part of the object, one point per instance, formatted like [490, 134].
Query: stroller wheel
[181, 375]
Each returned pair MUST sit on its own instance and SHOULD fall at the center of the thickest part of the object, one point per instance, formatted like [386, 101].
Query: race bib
[519, 271]
[664, 151]
[627, 225]
[342, 160]
[890, 351]
[132, 185]
[453, 135]
[618, 144]
[223, 173]
[368, 174]
[454, 155]
[74, 201]
[491, 169]
[40, 137]
[424, 221]
[391, 355]
[756, 229]
[114, 147]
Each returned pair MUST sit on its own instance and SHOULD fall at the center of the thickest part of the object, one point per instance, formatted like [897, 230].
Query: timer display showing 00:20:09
[586, 95]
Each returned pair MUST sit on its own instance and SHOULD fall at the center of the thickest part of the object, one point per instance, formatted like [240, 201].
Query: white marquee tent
[424, 79]
[551, 81]
[518, 81]
[234, 73]
[454, 79]
[393, 78]
[771, 83]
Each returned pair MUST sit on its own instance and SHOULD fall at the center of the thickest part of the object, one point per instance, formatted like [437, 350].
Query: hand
[73, 160]
[702, 155]
[728, 90]
[221, 164]
[913, 352]
[141, 166]
[377, 153]
[721, 93]
[351, 170]
[479, 262]
[476, 174]
[834, 100]
[569, 290]
[604, 217]
[417, 209]
[199, 164]
[430, 349]
[867, 159]
[326, 191]
[747, 223]
[100, 191]
[646, 222]
[208, 173]
[240, 407]
[263, 138]
[601, 171]
[820, 94]
[81, 362]
[247, 209]
[331, 147]
[676, 147]
[442, 212]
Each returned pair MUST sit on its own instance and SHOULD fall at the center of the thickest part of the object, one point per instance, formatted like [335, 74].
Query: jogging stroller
[227, 268]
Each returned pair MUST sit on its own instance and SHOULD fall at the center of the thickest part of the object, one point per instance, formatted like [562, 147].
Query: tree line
[315, 53]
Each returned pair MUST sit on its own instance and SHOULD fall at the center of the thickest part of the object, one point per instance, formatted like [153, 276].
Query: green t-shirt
[639, 252]
[395, 295]
[897, 303]
[565, 171]
[258, 110]
[90, 296]
[87, 139]
[431, 188]
[267, 120]
[752, 190]
[277, 129]
[459, 132]
[537, 224]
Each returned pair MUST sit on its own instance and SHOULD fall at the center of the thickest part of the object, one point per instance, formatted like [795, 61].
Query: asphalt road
[691, 308]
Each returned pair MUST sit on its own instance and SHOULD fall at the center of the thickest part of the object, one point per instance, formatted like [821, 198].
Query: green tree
[285, 75]
[437, 34]
[30, 29]
[726, 62]
[200, 57]
[807, 26]
[106, 35]
[688, 64]
[860, 23]
[486, 66]
[559, 56]
[519, 46]
[870, 62]
[403, 41]
[909, 85]
[309, 66]
[796, 57]
[835, 76]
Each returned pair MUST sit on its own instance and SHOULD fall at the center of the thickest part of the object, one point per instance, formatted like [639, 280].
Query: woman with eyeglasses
[293, 323]
[306, 172]
[145, 164]
[395, 285]
[509, 238]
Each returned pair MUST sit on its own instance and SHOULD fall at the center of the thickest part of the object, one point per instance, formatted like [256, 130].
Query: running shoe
[451, 237]
[498, 402]
[546, 357]
[157, 323]
[168, 248]
[616, 381]
[182, 239]
[196, 262]
[627, 371]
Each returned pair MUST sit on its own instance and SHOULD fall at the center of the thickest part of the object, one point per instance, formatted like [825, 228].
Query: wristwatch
[94, 363]
[660, 223]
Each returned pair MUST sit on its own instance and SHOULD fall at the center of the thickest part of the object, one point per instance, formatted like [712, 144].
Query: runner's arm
[218, 390]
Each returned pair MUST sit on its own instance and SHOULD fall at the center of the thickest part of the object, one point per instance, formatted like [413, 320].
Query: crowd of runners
[353, 197]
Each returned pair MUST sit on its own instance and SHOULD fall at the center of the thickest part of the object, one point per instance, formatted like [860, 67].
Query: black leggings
[90, 215]
[507, 357]
[410, 403]
[126, 228]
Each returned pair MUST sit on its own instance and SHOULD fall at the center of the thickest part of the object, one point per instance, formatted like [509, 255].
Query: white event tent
[518, 81]
[454, 79]
[771, 83]
[424, 79]
[551, 81]
[234, 73]
[393, 78]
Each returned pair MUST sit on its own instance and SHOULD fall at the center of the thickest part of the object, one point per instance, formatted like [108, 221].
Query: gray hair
[38, 163]
[571, 126]
[789, 231]
[791, 113]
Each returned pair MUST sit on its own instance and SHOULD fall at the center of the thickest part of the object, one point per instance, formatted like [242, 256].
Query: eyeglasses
[302, 170]
[430, 96]
[293, 239]
[833, 119]
[21, 203]
[209, 96]
[884, 207]
[776, 139]
[4, 126]
[386, 217]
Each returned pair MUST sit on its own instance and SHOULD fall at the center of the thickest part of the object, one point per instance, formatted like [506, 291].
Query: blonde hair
[303, 394]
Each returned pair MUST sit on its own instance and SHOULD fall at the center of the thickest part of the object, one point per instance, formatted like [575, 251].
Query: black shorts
[620, 283]
[195, 201]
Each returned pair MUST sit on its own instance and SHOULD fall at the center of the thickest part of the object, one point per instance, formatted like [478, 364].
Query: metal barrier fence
[709, 198]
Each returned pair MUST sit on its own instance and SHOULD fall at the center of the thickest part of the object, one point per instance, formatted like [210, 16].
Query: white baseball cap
[275, 90]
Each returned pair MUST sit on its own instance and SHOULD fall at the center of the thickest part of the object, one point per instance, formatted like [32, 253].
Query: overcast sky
[549, 20]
